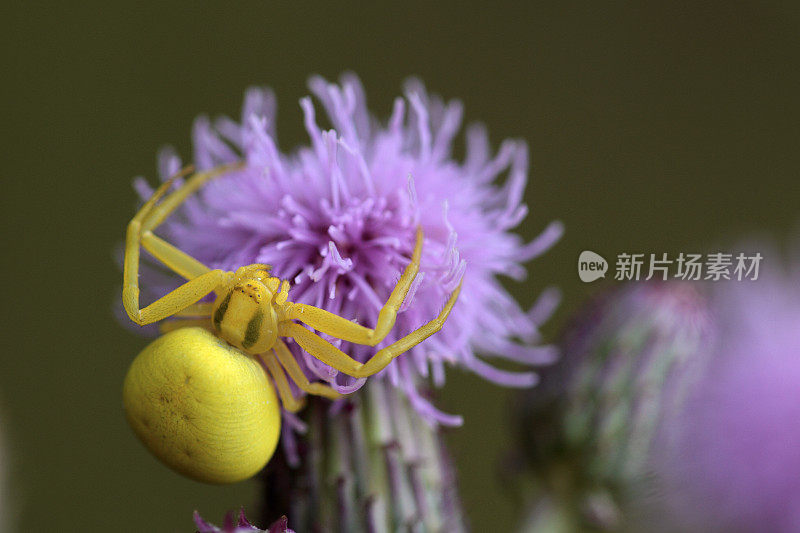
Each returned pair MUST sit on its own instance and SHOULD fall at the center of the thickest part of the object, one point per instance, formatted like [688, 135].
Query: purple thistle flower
[676, 407]
[589, 430]
[734, 462]
[240, 525]
[336, 218]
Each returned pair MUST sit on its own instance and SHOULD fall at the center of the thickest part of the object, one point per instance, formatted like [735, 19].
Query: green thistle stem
[367, 464]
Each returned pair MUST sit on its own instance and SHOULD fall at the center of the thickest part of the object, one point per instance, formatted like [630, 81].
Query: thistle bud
[590, 429]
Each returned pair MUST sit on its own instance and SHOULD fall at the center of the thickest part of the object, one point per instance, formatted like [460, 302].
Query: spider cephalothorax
[251, 312]
[246, 313]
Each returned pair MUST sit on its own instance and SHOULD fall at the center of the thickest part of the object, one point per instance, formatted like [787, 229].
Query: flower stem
[368, 463]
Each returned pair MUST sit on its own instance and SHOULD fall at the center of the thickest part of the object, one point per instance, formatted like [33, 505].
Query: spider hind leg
[288, 399]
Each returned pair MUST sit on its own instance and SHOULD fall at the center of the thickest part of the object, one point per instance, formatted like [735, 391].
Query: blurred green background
[653, 128]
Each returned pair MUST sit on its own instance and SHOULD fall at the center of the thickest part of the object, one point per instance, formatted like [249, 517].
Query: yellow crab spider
[197, 397]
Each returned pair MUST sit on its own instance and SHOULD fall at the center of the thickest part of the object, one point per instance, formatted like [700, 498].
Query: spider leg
[341, 328]
[175, 259]
[333, 356]
[173, 302]
[290, 403]
[200, 309]
[151, 215]
[158, 213]
[172, 325]
[296, 373]
[202, 279]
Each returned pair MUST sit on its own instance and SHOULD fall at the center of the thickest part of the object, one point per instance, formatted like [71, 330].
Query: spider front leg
[200, 309]
[173, 302]
[334, 357]
[342, 328]
[198, 315]
[202, 279]
[172, 325]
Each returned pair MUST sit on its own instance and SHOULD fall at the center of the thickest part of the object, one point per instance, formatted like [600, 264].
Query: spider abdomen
[204, 408]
